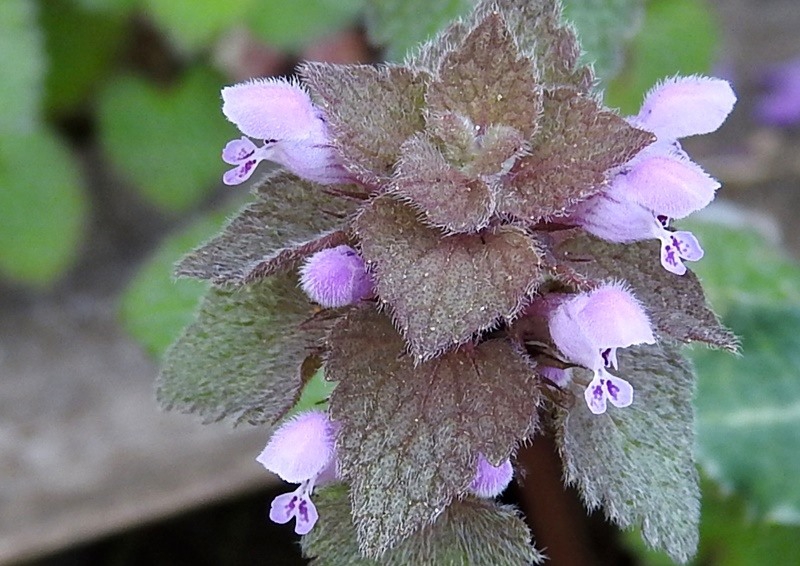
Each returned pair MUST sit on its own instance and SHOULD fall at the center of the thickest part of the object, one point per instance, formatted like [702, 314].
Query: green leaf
[676, 303]
[749, 410]
[637, 463]
[154, 307]
[655, 54]
[368, 134]
[730, 537]
[21, 50]
[114, 7]
[443, 289]
[241, 358]
[604, 28]
[577, 142]
[400, 25]
[289, 220]
[192, 24]
[411, 433]
[741, 267]
[167, 141]
[470, 532]
[78, 60]
[43, 207]
[314, 395]
[295, 24]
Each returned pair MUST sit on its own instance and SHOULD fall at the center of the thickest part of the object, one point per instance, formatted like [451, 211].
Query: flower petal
[271, 109]
[238, 150]
[595, 395]
[306, 515]
[284, 507]
[335, 277]
[618, 391]
[313, 159]
[670, 257]
[688, 246]
[491, 481]
[614, 218]
[666, 185]
[612, 317]
[301, 448]
[686, 106]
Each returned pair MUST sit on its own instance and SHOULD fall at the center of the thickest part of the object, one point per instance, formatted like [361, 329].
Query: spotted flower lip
[294, 131]
[300, 451]
[589, 327]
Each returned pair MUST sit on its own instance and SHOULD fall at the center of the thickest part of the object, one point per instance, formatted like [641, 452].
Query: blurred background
[110, 136]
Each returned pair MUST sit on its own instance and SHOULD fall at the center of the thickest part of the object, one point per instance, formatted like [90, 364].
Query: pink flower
[293, 129]
[300, 451]
[335, 277]
[491, 481]
[589, 327]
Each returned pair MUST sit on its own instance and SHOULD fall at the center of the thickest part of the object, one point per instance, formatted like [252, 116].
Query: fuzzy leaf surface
[371, 111]
[410, 434]
[240, 359]
[487, 81]
[444, 289]
[289, 220]
[539, 32]
[470, 532]
[637, 463]
[449, 198]
[676, 303]
[577, 143]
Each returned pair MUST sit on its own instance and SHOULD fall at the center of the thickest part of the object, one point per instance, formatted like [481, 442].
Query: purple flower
[335, 277]
[589, 327]
[780, 103]
[300, 451]
[491, 481]
[613, 217]
[661, 182]
[293, 130]
[685, 106]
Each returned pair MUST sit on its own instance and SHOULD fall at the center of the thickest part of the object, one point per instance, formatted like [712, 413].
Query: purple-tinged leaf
[411, 433]
[637, 463]
[371, 111]
[469, 531]
[241, 358]
[577, 144]
[290, 220]
[442, 290]
[448, 197]
[485, 80]
[676, 305]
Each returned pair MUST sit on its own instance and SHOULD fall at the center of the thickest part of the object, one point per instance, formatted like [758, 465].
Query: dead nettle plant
[474, 250]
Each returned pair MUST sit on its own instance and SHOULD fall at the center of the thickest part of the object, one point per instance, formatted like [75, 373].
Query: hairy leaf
[637, 463]
[748, 411]
[449, 198]
[241, 357]
[485, 80]
[444, 289]
[289, 220]
[410, 434]
[470, 532]
[676, 303]
[577, 143]
[371, 111]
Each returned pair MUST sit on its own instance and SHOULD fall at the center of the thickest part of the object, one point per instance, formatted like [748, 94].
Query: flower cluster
[451, 240]
[661, 183]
